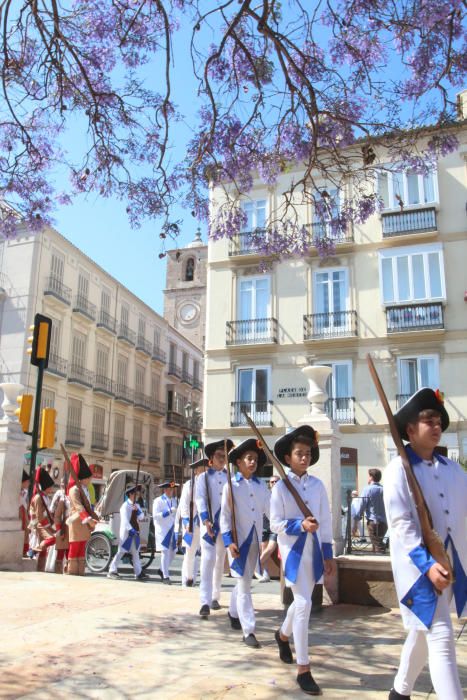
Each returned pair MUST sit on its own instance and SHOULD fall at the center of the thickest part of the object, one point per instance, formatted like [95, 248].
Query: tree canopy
[275, 83]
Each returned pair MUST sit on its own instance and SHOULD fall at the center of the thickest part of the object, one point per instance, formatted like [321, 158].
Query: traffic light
[194, 442]
[24, 411]
[40, 340]
[47, 439]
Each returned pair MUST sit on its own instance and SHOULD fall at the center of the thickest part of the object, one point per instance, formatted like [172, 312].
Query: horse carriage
[103, 543]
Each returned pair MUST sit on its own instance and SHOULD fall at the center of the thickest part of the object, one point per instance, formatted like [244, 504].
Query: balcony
[414, 317]
[338, 324]
[174, 370]
[84, 307]
[120, 448]
[158, 407]
[99, 442]
[77, 374]
[158, 355]
[257, 331]
[123, 393]
[55, 288]
[142, 401]
[154, 454]
[259, 411]
[401, 399]
[103, 385]
[126, 334]
[325, 231]
[174, 419]
[187, 378]
[139, 449]
[56, 365]
[247, 242]
[106, 322]
[74, 436]
[341, 409]
[144, 346]
[197, 384]
[402, 223]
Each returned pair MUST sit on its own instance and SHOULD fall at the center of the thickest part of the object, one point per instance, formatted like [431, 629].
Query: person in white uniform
[129, 539]
[305, 544]
[209, 487]
[163, 513]
[190, 539]
[250, 502]
[423, 588]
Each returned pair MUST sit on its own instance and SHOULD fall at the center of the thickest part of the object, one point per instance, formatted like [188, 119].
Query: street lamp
[193, 416]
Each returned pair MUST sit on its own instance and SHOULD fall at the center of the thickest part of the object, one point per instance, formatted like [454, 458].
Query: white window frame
[403, 358]
[339, 414]
[394, 205]
[253, 202]
[251, 278]
[410, 251]
[257, 416]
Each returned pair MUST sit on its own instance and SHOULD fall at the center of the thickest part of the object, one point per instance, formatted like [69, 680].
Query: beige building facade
[395, 287]
[126, 385]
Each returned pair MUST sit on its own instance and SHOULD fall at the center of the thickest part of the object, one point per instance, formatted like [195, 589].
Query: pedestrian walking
[129, 538]
[82, 519]
[41, 520]
[60, 508]
[372, 504]
[163, 512]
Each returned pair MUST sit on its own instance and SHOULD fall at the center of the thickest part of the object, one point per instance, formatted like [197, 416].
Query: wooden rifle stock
[134, 517]
[287, 483]
[208, 496]
[232, 503]
[192, 487]
[84, 499]
[430, 537]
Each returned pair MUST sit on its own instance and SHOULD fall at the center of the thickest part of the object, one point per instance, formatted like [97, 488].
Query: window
[255, 213]
[416, 373]
[339, 405]
[137, 432]
[74, 414]
[196, 370]
[47, 399]
[153, 440]
[57, 265]
[326, 210]
[253, 309]
[124, 315]
[141, 327]
[55, 337]
[83, 285]
[173, 354]
[331, 301]
[185, 360]
[78, 350]
[252, 395]
[157, 337]
[190, 270]
[119, 425]
[155, 386]
[102, 360]
[398, 188]
[98, 422]
[140, 376]
[105, 300]
[122, 370]
[412, 274]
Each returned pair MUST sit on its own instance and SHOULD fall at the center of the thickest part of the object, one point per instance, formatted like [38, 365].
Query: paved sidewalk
[68, 637]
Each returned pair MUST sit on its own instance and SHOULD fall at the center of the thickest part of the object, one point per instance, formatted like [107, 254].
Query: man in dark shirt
[373, 505]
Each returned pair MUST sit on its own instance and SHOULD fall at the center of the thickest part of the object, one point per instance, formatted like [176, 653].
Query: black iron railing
[154, 454]
[105, 320]
[103, 385]
[99, 441]
[158, 407]
[320, 231]
[197, 384]
[143, 345]
[414, 317]
[404, 222]
[158, 355]
[355, 529]
[77, 374]
[187, 378]
[247, 242]
[126, 334]
[57, 365]
[143, 400]
[175, 370]
[260, 412]
[337, 324]
[174, 419]
[123, 393]
[139, 449]
[120, 447]
[252, 332]
[55, 287]
[83, 306]
[74, 436]
[341, 409]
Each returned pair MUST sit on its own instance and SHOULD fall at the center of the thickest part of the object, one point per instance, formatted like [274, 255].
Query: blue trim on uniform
[459, 586]
[422, 558]
[188, 538]
[294, 526]
[240, 477]
[169, 540]
[211, 471]
[166, 513]
[132, 535]
[421, 599]
[204, 516]
[326, 548]
[227, 538]
[238, 564]
[186, 521]
[416, 459]
[293, 560]
[318, 563]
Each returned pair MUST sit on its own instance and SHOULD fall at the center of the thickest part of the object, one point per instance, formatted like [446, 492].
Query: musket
[84, 499]
[208, 496]
[134, 517]
[430, 537]
[192, 486]
[287, 483]
[232, 503]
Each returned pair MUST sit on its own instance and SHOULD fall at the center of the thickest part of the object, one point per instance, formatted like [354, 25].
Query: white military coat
[163, 514]
[185, 511]
[127, 533]
[214, 481]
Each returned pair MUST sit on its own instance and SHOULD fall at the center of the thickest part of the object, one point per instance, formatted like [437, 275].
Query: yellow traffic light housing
[40, 340]
[24, 411]
[47, 438]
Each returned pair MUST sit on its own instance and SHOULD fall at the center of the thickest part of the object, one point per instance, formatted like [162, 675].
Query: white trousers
[190, 560]
[298, 614]
[212, 568]
[241, 602]
[134, 551]
[167, 556]
[436, 645]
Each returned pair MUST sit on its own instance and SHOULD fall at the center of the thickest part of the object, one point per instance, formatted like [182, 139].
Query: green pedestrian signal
[194, 444]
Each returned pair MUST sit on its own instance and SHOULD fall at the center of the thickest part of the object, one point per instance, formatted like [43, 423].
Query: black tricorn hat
[167, 485]
[84, 472]
[211, 447]
[423, 400]
[131, 488]
[203, 462]
[45, 480]
[249, 445]
[282, 445]
[25, 476]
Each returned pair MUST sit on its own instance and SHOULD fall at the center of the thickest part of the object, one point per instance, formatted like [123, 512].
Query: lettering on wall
[292, 392]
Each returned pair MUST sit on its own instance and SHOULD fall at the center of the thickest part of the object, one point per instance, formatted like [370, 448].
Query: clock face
[188, 312]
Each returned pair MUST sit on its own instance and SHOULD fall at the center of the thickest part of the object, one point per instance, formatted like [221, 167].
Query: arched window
[190, 270]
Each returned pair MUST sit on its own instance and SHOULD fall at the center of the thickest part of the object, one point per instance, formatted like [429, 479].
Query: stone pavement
[68, 637]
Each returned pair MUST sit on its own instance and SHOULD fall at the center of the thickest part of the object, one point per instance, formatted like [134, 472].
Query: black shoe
[159, 573]
[394, 695]
[251, 641]
[285, 652]
[143, 576]
[215, 605]
[308, 684]
[189, 583]
[205, 611]
[113, 574]
[167, 581]
[234, 622]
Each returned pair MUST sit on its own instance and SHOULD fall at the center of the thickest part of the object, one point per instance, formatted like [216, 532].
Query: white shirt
[213, 480]
[163, 514]
[126, 509]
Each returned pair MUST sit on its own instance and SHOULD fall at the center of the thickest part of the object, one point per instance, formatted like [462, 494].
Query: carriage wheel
[98, 553]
